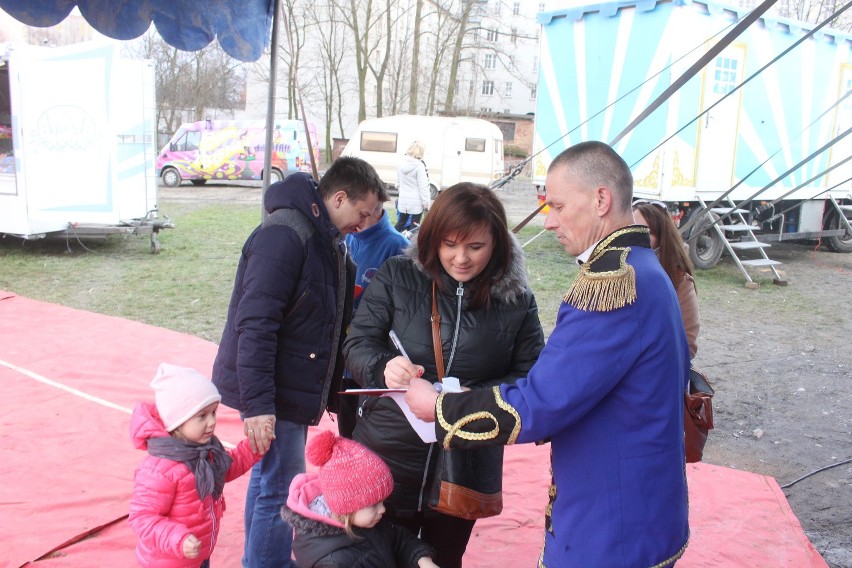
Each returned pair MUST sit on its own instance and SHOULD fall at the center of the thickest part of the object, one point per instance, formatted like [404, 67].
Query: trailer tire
[842, 243]
[433, 191]
[198, 181]
[171, 177]
[706, 248]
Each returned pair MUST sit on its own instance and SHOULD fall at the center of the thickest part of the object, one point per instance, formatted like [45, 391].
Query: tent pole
[270, 106]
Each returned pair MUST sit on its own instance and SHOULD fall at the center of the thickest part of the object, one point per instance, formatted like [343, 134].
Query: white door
[718, 128]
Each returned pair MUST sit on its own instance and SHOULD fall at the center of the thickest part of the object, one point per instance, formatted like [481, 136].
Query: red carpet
[71, 377]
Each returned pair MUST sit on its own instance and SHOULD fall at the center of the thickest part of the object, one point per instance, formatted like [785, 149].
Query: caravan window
[474, 144]
[378, 141]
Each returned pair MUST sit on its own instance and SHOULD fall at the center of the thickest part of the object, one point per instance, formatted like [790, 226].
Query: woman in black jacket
[490, 334]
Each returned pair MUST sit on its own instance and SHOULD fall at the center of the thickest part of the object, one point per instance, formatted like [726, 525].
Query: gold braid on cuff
[455, 429]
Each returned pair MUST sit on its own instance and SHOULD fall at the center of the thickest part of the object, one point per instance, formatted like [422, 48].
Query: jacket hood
[508, 289]
[296, 191]
[408, 164]
[145, 423]
[304, 488]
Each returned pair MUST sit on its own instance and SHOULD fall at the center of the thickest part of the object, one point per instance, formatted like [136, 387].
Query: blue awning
[243, 27]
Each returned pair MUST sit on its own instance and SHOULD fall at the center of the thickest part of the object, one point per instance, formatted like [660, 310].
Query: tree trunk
[457, 49]
[415, 60]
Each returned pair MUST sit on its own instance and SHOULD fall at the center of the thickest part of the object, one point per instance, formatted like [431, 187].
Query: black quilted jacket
[494, 346]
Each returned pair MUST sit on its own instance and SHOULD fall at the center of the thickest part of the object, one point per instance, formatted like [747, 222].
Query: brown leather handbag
[698, 415]
[468, 483]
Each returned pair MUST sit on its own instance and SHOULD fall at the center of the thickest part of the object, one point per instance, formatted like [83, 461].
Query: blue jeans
[268, 537]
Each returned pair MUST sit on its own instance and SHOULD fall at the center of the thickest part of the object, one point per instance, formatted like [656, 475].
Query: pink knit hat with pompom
[351, 476]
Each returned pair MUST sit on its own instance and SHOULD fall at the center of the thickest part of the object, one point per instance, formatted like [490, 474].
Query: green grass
[188, 285]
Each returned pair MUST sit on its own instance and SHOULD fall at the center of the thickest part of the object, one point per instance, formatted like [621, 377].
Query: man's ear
[338, 198]
[603, 200]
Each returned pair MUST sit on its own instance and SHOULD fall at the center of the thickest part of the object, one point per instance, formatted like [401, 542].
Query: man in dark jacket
[279, 361]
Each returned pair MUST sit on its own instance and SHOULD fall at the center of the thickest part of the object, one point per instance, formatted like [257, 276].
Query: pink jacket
[165, 507]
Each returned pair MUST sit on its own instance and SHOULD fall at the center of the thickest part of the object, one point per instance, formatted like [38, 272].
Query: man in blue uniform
[607, 390]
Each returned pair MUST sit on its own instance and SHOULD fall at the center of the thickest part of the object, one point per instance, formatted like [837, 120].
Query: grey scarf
[208, 462]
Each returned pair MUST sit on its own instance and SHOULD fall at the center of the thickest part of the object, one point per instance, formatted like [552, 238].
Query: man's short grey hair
[597, 164]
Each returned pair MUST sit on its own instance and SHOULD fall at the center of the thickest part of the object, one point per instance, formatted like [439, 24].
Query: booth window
[474, 144]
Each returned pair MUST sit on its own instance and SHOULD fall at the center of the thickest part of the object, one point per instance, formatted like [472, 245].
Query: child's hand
[426, 562]
[191, 546]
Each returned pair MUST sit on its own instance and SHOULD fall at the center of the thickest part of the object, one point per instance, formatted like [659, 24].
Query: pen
[398, 344]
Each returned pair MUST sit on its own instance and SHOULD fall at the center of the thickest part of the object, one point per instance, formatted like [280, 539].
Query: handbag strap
[436, 334]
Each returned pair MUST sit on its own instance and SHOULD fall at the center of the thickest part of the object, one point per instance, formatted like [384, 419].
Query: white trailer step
[749, 245]
[760, 262]
[722, 211]
[739, 227]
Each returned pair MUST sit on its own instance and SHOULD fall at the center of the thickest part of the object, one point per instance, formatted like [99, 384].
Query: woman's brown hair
[672, 252]
[458, 211]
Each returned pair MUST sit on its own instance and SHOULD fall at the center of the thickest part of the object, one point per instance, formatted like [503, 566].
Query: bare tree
[467, 8]
[332, 48]
[190, 83]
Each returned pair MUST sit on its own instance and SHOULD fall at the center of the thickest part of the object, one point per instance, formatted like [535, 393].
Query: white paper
[451, 384]
[426, 430]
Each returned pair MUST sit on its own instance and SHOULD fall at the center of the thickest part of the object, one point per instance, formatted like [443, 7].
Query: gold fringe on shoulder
[603, 291]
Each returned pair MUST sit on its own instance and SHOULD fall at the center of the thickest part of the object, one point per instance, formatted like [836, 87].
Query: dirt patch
[779, 359]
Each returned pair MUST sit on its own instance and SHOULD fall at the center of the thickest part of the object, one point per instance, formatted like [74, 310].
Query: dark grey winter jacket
[495, 345]
[292, 300]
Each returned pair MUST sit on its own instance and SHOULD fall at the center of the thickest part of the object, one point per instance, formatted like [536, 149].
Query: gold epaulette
[606, 282]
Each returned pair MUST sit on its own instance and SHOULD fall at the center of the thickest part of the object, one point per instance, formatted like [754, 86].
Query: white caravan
[457, 149]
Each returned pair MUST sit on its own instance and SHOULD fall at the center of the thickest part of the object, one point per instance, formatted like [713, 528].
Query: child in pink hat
[337, 513]
[177, 498]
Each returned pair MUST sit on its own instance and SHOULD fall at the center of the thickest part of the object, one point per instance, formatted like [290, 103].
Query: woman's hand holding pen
[399, 371]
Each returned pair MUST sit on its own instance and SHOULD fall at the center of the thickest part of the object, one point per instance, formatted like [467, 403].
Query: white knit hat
[180, 392]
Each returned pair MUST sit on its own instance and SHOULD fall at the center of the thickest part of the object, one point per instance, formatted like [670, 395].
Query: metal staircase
[732, 220]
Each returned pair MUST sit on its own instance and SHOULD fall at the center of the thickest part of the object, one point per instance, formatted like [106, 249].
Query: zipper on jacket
[425, 475]
[215, 528]
[459, 296]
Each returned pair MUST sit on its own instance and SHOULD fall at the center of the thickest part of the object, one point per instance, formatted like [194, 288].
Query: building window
[514, 36]
[532, 92]
[488, 87]
[508, 93]
[470, 91]
[456, 90]
[497, 4]
[535, 64]
[541, 6]
[506, 111]
[491, 35]
[484, 110]
[516, 8]
[490, 61]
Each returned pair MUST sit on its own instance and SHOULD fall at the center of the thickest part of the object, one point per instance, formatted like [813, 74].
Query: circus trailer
[745, 153]
[77, 143]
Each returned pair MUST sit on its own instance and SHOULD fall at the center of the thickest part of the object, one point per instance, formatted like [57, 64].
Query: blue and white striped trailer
[602, 64]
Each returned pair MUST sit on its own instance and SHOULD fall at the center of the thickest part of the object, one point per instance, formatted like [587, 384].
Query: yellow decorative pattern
[671, 559]
[511, 410]
[678, 178]
[455, 429]
[652, 180]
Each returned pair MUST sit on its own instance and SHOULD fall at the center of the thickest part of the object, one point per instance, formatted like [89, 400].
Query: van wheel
[277, 175]
[705, 244]
[171, 177]
[198, 181]
[433, 191]
[840, 243]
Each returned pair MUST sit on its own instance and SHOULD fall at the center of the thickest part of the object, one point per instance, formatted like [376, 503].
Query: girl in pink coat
[177, 498]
